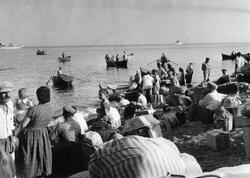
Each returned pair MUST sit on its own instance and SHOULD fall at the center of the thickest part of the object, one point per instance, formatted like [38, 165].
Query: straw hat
[5, 86]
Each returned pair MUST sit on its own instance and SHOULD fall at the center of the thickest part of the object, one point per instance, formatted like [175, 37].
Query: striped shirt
[135, 156]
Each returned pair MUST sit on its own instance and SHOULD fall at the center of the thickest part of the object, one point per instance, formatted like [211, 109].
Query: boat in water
[178, 42]
[40, 52]
[64, 59]
[228, 57]
[62, 81]
[10, 46]
[117, 64]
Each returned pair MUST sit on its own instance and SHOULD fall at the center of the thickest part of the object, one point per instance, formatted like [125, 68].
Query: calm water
[25, 69]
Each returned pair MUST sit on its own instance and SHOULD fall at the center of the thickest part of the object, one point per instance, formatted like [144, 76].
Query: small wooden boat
[117, 64]
[228, 57]
[38, 52]
[64, 59]
[62, 81]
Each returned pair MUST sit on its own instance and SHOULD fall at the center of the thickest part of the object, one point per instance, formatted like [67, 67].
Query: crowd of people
[34, 143]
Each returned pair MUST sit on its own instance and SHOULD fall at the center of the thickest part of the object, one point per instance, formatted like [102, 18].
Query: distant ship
[178, 42]
[10, 46]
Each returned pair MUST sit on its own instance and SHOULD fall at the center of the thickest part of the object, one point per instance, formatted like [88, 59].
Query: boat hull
[228, 57]
[11, 47]
[40, 53]
[64, 59]
[117, 64]
[62, 81]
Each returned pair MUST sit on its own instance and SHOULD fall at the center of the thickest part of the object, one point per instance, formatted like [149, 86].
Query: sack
[223, 119]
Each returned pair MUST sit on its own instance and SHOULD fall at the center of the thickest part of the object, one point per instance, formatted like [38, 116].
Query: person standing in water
[206, 70]
[189, 73]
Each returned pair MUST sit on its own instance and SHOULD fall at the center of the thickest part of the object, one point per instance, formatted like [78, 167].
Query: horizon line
[153, 44]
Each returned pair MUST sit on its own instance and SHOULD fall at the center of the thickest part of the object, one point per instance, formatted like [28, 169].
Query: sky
[114, 22]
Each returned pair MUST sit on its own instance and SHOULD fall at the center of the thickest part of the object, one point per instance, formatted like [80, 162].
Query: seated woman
[225, 78]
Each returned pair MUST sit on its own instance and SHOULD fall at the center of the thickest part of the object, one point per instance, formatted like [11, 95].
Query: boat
[62, 81]
[38, 52]
[228, 57]
[64, 59]
[117, 64]
[178, 42]
[11, 47]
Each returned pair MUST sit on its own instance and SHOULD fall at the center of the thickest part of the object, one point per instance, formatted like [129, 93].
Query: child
[23, 104]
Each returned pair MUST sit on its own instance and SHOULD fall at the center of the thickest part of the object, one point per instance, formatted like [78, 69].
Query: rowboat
[117, 64]
[11, 47]
[64, 59]
[62, 81]
[228, 57]
[40, 52]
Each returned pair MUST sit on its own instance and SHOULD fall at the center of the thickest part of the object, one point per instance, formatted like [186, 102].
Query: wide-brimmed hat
[5, 86]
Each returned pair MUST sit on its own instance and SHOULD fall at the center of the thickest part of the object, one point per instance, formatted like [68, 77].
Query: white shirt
[143, 101]
[147, 81]
[78, 117]
[114, 117]
[212, 100]
[6, 120]
[240, 61]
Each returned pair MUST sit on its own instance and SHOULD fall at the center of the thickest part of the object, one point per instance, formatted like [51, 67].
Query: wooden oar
[48, 81]
[153, 61]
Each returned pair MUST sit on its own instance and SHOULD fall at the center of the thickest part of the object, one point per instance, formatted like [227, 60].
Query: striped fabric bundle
[134, 157]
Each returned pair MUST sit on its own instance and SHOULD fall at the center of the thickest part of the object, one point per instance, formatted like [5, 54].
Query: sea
[24, 69]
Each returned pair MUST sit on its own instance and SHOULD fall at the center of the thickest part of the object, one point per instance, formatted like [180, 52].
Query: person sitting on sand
[142, 100]
[207, 106]
[109, 114]
[225, 78]
[23, 104]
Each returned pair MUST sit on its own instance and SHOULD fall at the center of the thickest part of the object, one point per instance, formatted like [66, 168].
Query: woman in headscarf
[34, 155]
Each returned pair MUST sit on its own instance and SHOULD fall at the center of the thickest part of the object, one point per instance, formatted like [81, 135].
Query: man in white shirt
[205, 109]
[7, 144]
[239, 62]
[147, 85]
[111, 114]
[212, 100]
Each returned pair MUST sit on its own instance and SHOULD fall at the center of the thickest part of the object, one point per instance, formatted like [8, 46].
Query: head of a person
[207, 59]
[60, 68]
[239, 54]
[130, 110]
[211, 87]
[23, 93]
[224, 71]
[154, 72]
[169, 66]
[43, 94]
[5, 88]
[181, 70]
[191, 63]
[68, 111]
[170, 73]
[158, 64]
